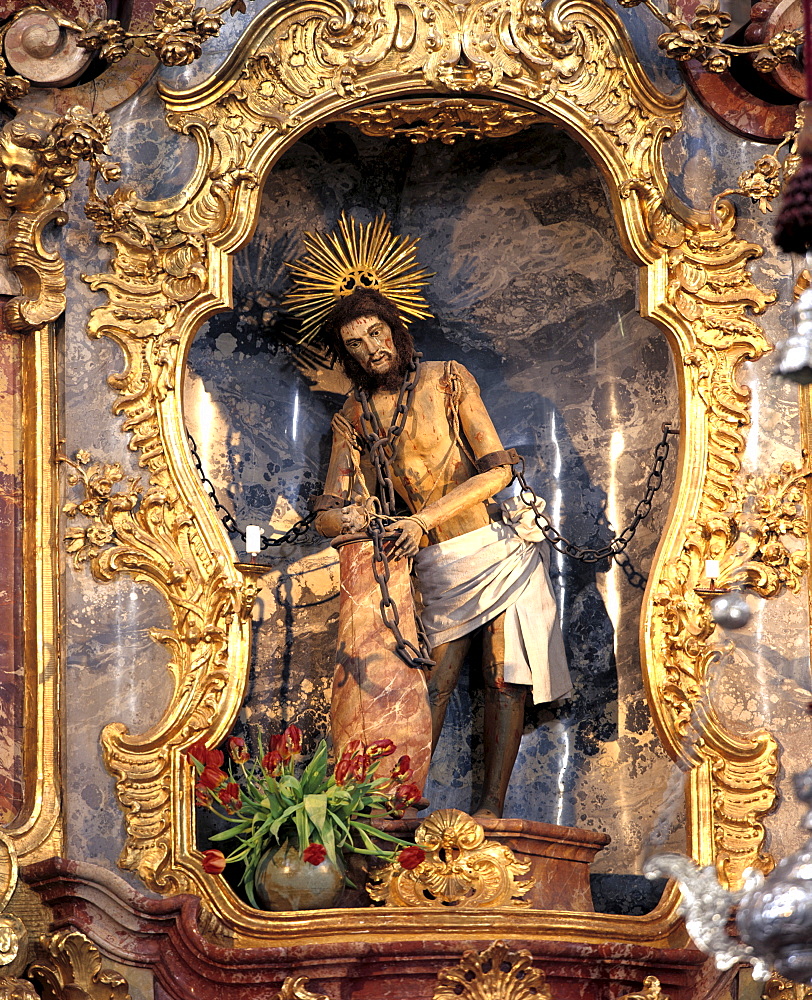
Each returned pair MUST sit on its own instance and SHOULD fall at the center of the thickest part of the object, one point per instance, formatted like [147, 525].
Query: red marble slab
[190, 958]
[375, 694]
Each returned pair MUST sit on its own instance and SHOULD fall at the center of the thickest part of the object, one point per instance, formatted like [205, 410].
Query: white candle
[711, 568]
[252, 542]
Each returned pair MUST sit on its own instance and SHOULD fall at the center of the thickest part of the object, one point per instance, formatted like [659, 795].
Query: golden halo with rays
[355, 256]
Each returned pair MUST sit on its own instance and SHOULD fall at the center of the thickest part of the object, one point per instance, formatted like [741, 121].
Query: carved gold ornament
[751, 535]
[39, 154]
[16, 989]
[72, 968]
[494, 974]
[778, 988]
[461, 869]
[701, 38]
[765, 180]
[295, 988]
[652, 990]
[297, 67]
[356, 256]
[447, 120]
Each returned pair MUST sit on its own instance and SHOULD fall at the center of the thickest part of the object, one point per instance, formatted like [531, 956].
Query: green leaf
[316, 808]
[313, 775]
[276, 826]
[234, 832]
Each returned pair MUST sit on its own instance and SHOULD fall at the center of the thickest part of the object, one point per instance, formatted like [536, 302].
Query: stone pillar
[375, 694]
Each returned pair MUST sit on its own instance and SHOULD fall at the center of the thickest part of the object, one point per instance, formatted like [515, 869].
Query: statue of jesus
[474, 568]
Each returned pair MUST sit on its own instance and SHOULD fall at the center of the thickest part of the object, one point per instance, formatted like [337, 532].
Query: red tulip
[230, 797]
[293, 740]
[359, 765]
[406, 795]
[201, 796]
[403, 769]
[238, 750]
[212, 777]
[380, 748]
[342, 770]
[314, 854]
[214, 862]
[197, 751]
[352, 748]
[411, 857]
[272, 761]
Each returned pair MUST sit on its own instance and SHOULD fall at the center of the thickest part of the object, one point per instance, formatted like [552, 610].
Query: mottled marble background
[535, 296]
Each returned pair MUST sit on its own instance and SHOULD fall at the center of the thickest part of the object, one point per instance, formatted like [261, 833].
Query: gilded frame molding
[301, 64]
[36, 833]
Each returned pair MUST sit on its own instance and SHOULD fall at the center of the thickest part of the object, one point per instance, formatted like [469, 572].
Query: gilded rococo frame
[299, 65]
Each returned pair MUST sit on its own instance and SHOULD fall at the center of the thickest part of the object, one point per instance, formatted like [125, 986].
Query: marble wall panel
[11, 557]
[114, 671]
[534, 295]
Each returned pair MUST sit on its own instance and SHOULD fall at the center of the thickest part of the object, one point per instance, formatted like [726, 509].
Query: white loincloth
[467, 581]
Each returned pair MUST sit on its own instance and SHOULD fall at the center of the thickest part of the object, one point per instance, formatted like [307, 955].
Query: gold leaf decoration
[300, 66]
[494, 974]
[355, 257]
[461, 868]
[72, 968]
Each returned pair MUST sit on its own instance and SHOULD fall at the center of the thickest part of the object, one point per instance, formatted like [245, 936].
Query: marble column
[375, 694]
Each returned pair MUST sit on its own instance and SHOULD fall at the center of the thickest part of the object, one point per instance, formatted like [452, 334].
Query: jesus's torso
[429, 458]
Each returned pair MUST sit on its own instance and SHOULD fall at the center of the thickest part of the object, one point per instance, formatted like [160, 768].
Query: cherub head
[30, 166]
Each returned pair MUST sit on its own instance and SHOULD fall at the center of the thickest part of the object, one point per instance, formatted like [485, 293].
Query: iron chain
[381, 447]
[406, 650]
[616, 548]
[289, 537]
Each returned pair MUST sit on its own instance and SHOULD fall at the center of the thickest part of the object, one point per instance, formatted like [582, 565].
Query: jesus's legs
[448, 659]
[504, 720]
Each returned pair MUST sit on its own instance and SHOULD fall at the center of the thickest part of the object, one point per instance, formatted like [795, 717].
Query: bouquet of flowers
[266, 804]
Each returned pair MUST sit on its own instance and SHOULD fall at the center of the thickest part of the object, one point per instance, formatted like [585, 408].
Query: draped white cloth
[467, 581]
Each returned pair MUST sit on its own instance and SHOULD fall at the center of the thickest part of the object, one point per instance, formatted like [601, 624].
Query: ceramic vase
[283, 881]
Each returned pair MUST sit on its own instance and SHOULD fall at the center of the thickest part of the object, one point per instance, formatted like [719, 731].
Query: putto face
[20, 176]
[368, 340]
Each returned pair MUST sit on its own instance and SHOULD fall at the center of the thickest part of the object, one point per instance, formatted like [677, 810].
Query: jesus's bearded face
[370, 343]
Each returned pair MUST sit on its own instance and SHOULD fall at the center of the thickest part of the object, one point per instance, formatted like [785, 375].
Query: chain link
[411, 655]
[616, 548]
[381, 447]
[381, 444]
[289, 537]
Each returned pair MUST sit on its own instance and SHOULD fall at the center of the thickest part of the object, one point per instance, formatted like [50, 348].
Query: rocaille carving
[497, 973]
[72, 970]
[299, 66]
[461, 868]
[447, 120]
[39, 154]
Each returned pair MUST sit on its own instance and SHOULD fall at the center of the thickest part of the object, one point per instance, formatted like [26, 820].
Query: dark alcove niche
[534, 294]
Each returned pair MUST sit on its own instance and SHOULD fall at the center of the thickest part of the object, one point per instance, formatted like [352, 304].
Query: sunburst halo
[355, 256]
